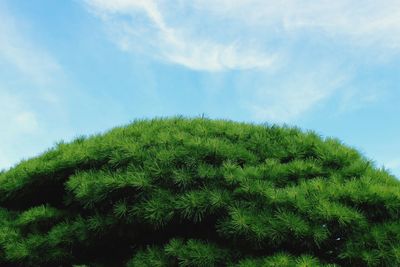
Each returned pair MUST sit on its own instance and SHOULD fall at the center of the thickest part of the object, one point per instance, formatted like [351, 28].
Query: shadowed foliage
[199, 192]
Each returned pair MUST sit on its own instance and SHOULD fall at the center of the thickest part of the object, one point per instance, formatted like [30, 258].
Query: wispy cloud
[287, 105]
[18, 121]
[29, 78]
[362, 23]
[20, 52]
[262, 35]
[290, 95]
[175, 44]
[240, 34]
[23, 62]
[365, 97]
[16, 116]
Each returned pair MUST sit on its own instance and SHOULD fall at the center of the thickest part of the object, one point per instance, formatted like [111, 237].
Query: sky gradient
[71, 68]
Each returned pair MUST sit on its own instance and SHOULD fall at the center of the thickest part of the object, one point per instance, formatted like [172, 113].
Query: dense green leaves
[199, 192]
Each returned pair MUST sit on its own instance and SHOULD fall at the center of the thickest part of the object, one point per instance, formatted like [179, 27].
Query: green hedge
[199, 192]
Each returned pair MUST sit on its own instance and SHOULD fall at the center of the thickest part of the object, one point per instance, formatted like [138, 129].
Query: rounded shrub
[199, 192]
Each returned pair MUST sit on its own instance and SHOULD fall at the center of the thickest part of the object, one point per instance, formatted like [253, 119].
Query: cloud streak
[21, 53]
[362, 23]
[29, 78]
[289, 96]
[18, 121]
[291, 40]
[170, 44]
[247, 30]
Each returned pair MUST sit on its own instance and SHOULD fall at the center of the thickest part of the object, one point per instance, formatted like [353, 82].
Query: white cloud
[19, 123]
[29, 81]
[30, 65]
[361, 22]
[294, 95]
[239, 34]
[288, 104]
[15, 116]
[27, 121]
[171, 43]
[271, 37]
[20, 52]
[365, 97]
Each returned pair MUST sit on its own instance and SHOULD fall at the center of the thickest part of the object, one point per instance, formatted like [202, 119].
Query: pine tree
[199, 192]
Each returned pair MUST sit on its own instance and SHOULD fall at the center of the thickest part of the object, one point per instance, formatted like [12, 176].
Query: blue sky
[69, 68]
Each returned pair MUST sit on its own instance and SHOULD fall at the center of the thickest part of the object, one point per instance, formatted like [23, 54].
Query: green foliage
[199, 192]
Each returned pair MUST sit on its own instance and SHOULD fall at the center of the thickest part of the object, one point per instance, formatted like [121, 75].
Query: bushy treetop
[199, 192]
